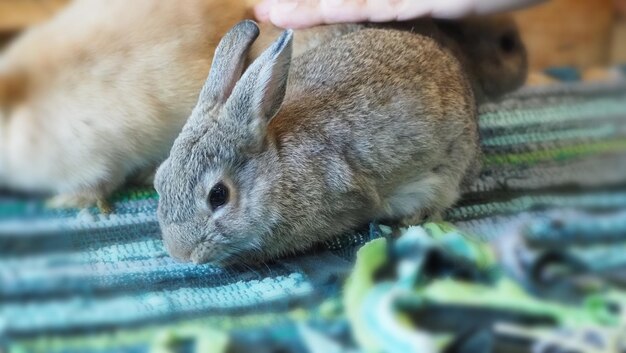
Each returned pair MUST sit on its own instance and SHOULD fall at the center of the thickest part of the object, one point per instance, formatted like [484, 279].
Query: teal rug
[81, 281]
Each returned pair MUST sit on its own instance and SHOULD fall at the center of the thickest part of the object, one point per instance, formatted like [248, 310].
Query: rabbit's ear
[260, 92]
[228, 63]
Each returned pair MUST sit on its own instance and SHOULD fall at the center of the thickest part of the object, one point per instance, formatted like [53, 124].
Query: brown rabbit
[101, 91]
[375, 124]
[491, 51]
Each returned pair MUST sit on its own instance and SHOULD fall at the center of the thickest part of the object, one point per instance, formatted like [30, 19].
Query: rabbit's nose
[175, 244]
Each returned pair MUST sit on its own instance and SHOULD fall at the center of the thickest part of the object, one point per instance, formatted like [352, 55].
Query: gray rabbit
[379, 124]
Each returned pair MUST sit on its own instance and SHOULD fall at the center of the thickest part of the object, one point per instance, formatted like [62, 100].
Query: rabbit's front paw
[421, 217]
[80, 200]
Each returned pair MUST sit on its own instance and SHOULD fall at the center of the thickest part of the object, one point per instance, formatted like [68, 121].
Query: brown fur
[111, 83]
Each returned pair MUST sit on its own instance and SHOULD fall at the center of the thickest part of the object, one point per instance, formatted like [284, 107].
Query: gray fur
[225, 71]
[376, 124]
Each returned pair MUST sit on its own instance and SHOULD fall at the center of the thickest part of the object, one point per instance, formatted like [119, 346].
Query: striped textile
[80, 281]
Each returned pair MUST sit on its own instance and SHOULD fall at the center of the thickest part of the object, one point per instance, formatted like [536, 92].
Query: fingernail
[287, 5]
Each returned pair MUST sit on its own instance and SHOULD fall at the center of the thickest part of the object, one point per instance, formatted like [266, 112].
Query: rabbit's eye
[218, 196]
[508, 43]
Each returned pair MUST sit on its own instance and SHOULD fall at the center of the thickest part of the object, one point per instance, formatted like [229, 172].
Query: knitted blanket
[81, 281]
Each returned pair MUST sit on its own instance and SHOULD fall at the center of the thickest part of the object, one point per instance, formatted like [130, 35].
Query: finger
[307, 13]
[296, 13]
[262, 10]
[401, 10]
[343, 11]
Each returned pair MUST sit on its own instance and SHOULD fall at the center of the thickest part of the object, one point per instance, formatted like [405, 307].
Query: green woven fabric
[80, 281]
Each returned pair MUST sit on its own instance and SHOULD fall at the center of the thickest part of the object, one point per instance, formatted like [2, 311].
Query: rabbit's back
[385, 98]
[378, 124]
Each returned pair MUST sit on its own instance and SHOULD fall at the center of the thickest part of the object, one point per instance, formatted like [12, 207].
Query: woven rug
[81, 281]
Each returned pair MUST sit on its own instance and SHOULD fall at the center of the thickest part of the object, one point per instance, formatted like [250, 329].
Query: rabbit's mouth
[208, 251]
[182, 248]
[210, 248]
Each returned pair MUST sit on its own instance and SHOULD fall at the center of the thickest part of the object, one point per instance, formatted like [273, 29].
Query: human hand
[307, 13]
